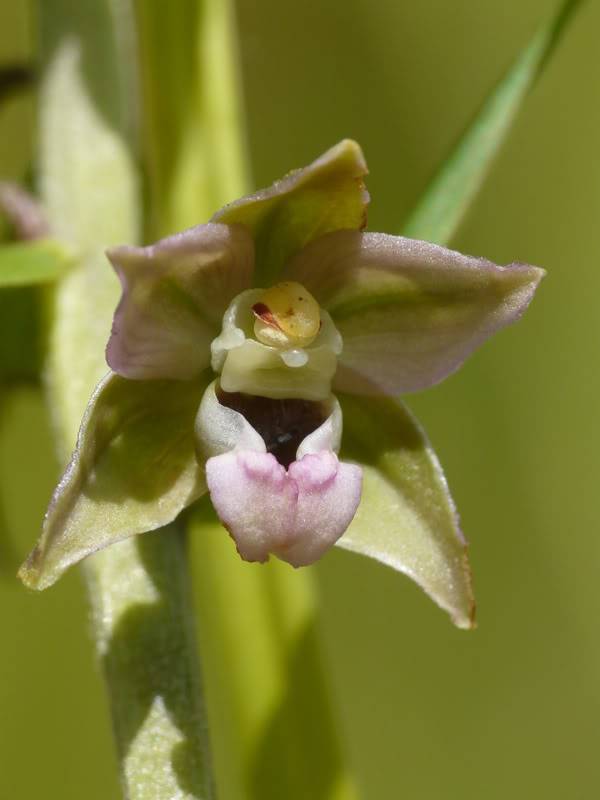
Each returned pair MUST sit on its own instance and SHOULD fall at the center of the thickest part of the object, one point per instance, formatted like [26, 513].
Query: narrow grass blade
[445, 202]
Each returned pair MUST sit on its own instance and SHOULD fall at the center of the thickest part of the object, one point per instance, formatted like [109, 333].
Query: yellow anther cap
[287, 315]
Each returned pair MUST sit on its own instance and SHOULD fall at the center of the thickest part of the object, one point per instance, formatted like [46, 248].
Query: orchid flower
[238, 349]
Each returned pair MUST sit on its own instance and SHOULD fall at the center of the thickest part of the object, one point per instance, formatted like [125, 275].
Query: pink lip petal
[329, 494]
[254, 499]
[296, 515]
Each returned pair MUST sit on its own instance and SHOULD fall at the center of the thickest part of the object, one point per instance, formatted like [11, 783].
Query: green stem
[145, 637]
[445, 202]
[139, 589]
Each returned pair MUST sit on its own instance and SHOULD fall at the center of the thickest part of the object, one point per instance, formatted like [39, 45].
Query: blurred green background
[512, 709]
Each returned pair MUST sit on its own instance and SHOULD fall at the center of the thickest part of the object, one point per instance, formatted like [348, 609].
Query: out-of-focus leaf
[15, 78]
[30, 263]
[88, 186]
[449, 195]
[192, 125]
[20, 335]
[8, 554]
[406, 518]
[134, 469]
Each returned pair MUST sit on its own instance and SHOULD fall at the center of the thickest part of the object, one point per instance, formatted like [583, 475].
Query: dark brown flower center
[283, 424]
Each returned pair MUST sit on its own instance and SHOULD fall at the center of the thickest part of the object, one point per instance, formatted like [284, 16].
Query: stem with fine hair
[142, 618]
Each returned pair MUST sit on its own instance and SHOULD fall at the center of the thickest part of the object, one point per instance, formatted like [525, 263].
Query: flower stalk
[142, 619]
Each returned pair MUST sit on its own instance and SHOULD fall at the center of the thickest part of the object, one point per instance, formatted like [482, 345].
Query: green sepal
[448, 197]
[325, 196]
[133, 470]
[406, 518]
[31, 263]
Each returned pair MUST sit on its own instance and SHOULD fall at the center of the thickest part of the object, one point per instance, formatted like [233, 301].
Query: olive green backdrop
[428, 712]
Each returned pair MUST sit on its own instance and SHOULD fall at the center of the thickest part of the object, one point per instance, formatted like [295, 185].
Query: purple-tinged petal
[295, 515]
[254, 499]
[328, 497]
[174, 295]
[327, 195]
[409, 312]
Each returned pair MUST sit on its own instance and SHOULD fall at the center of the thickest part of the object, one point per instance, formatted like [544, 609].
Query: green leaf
[325, 196]
[134, 469]
[30, 263]
[406, 518]
[445, 202]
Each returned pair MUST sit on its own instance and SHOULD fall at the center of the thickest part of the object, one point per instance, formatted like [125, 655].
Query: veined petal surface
[409, 312]
[174, 295]
[133, 470]
[327, 195]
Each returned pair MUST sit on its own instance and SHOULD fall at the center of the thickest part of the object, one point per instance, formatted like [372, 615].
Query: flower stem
[145, 637]
[142, 619]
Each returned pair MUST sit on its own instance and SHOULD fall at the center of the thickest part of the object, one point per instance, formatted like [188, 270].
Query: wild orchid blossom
[232, 346]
